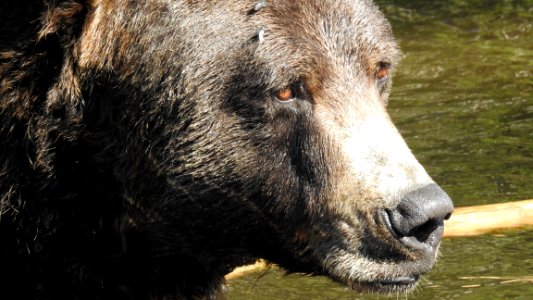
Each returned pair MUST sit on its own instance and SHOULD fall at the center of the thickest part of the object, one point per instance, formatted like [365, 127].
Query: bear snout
[418, 220]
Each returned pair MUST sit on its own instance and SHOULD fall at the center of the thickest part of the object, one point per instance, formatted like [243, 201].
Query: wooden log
[476, 220]
[465, 221]
[259, 266]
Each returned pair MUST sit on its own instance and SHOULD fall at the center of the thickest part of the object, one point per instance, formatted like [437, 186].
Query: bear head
[199, 135]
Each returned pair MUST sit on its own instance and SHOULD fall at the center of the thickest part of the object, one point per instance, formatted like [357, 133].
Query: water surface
[463, 94]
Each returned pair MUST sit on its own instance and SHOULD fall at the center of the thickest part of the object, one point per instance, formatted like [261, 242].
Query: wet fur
[142, 158]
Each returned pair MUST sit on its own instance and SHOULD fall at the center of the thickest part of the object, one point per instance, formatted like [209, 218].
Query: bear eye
[285, 94]
[383, 70]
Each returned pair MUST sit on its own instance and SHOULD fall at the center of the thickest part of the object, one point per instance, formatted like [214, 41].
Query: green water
[463, 99]
[463, 96]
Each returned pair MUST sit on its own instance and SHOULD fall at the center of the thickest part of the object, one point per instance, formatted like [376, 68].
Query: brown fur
[144, 155]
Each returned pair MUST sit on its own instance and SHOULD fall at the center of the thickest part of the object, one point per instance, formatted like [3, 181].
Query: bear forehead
[334, 25]
[349, 24]
[320, 37]
[293, 39]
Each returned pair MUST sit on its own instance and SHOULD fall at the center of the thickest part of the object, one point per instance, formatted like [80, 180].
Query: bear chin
[394, 285]
[370, 259]
[387, 282]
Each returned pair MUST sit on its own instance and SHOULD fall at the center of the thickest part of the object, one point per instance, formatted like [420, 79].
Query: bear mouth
[383, 284]
[391, 285]
[371, 258]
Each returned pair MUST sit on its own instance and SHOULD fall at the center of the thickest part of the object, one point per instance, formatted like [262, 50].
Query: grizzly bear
[149, 147]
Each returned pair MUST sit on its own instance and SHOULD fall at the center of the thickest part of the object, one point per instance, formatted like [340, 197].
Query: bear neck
[67, 196]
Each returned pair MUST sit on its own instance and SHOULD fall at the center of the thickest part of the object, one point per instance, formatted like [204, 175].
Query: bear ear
[62, 17]
[61, 24]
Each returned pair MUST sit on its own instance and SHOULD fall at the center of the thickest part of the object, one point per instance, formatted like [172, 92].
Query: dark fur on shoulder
[75, 165]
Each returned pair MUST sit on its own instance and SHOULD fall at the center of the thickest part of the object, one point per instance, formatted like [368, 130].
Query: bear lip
[389, 285]
[402, 280]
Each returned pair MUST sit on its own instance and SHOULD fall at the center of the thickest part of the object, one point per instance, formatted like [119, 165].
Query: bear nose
[418, 220]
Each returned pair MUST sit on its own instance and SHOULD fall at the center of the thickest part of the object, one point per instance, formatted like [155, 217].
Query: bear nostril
[423, 232]
[419, 217]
